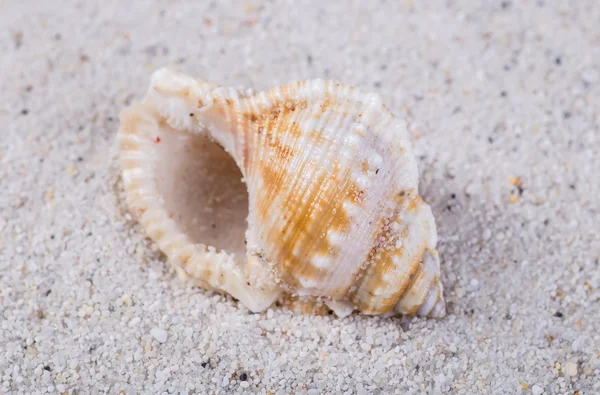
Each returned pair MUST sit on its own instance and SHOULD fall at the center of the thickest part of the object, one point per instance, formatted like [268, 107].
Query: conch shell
[333, 213]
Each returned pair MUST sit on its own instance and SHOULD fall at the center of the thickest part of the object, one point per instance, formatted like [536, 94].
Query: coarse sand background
[503, 103]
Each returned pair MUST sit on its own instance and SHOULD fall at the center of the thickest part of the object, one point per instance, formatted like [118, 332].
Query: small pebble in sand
[537, 390]
[159, 334]
[571, 369]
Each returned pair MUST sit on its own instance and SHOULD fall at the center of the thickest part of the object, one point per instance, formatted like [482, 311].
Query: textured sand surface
[503, 101]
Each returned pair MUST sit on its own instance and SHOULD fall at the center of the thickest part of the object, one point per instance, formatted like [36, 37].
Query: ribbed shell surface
[334, 209]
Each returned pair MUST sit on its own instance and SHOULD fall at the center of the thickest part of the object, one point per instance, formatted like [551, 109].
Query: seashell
[306, 195]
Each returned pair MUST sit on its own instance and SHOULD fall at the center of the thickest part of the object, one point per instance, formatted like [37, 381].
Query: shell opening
[202, 190]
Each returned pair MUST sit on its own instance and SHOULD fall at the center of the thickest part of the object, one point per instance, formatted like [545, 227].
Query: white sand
[493, 90]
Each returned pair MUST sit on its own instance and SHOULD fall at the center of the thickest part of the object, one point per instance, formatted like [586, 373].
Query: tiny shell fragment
[305, 195]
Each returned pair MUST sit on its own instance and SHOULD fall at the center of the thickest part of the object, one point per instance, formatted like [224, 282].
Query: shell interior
[202, 190]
